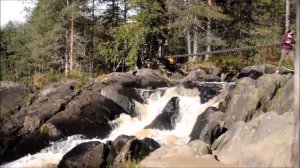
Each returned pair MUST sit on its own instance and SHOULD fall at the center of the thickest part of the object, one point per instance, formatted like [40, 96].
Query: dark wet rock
[60, 115]
[229, 76]
[153, 94]
[134, 149]
[12, 97]
[51, 100]
[123, 96]
[265, 141]
[152, 79]
[167, 119]
[88, 154]
[207, 90]
[14, 147]
[209, 126]
[88, 114]
[116, 147]
[112, 154]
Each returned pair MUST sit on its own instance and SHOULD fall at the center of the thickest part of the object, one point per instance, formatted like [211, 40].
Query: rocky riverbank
[252, 125]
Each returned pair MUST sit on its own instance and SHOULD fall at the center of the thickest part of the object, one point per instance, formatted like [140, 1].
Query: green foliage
[256, 60]
[232, 62]
[132, 164]
[28, 99]
[127, 29]
[226, 62]
[76, 74]
[11, 112]
[126, 43]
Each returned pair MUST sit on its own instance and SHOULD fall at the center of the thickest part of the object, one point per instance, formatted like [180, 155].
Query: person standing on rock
[286, 44]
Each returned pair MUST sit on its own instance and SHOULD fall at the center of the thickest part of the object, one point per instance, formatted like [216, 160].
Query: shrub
[132, 164]
[101, 77]
[54, 77]
[75, 74]
[39, 80]
[230, 62]
[256, 59]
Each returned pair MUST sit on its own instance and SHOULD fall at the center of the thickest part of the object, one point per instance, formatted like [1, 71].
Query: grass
[40, 80]
[226, 62]
[239, 61]
[132, 164]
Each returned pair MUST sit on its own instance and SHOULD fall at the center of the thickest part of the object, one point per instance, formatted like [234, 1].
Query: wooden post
[295, 146]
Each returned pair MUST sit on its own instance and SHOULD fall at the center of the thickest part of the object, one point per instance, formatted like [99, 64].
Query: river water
[190, 106]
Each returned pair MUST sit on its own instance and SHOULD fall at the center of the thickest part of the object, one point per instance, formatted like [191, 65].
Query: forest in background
[97, 36]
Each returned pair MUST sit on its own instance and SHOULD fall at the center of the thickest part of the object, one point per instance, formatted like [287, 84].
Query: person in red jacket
[286, 44]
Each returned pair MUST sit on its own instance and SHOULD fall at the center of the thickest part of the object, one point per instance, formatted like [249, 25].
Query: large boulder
[118, 77]
[123, 96]
[14, 147]
[112, 154]
[88, 154]
[166, 120]
[206, 91]
[50, 101]
[11, 95]
[283, 101]
[89, 114]
[256, 71]
[208, 126]
[134, 149]
[152, 79]
[249, 98]
[142, 78]
[201, 75]
[196, 147]
[194, 154]
[263, 142]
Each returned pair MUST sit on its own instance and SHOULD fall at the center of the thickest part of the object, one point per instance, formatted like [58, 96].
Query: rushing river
[190, 106]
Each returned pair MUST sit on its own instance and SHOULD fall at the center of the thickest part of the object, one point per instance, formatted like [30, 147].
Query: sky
[12, 10]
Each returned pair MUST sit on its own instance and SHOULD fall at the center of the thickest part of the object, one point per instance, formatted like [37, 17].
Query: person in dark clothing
[286, 44]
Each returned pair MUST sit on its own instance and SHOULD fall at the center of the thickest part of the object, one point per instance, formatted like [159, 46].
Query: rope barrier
[226, 50]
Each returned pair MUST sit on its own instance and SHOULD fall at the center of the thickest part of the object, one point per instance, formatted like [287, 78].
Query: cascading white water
[190, 107]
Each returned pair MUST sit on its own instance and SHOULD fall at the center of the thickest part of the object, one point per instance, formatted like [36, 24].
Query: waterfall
[190, 107]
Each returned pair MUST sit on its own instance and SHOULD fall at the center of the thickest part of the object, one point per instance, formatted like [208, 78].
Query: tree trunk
[92, 38]
[208, 33]
[189, 47]
[287, 15]
[195, 45]
[66, 61]
[72, 38]
[125, 10]
[160, 49]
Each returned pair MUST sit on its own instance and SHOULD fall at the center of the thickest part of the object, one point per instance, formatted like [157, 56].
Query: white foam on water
[49, 157]
[189, 108]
